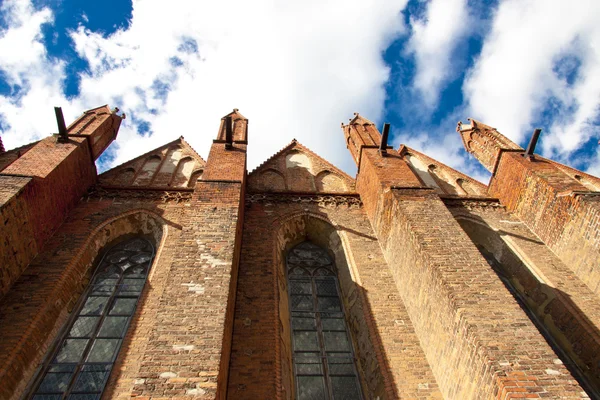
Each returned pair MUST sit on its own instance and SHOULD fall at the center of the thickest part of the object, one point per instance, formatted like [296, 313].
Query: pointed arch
[148, 170]
[272, 180]
[196, 175]
[124, 177]
[79, 270]
[327, 181]
[291, 230]
[167, 168]
[84, 354]
[183, 172]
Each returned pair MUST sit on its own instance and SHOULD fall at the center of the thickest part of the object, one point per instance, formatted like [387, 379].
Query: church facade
[171, 276]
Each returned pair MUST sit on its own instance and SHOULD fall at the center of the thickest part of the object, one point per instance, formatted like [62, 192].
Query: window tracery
[80, 364]
[323, 357]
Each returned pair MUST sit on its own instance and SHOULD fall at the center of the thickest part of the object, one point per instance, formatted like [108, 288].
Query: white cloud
[34, 80]
[433, 41]
[295, 69]
[526, 66]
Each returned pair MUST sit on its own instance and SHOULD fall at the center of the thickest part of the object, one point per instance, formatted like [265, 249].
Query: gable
[174, 165]
[297, 169]
[443, 179]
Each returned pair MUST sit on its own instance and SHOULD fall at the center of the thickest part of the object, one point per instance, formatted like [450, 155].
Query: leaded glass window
[323, 359]
[79, 366]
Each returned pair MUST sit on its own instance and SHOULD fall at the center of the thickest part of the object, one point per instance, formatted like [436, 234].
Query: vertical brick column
[44, 184]
[560, 210]
[191, 342]
[478, 341]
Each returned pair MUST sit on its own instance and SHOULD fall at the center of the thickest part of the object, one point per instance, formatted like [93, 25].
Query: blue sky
[298, 69]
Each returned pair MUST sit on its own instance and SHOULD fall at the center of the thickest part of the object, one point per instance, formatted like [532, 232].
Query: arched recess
[272, 180]
[290, 231]
[183, 172]
[550, 310]
[194, 178]
[586, 182]
[468, 187]
[84, 354]
[299, 172]
[124, 177]
[168, 167]
[441, 179]
[77, 275]
[326, 181]
[422, 172]
[145, 175]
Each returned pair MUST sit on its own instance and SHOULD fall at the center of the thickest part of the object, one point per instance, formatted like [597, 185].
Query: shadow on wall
[566, 328]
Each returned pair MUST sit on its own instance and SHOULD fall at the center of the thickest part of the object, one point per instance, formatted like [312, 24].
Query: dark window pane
[105, 286]
[141, 258]
[136, 245]
[136, 272]
[302, 303]
[329, 304]
[311, 388]
[84, 397]
[47, 397]
[333, 324]
[344, 388]
[326, 287]
[340, 369]
[298, 271]
[300, 287]
[113, 327]
[125, 265]
[83, 327]
[309, 369]
[103, 350]
[105, 280]
[109, 272]
[118, 256]
[306, 341]
[321, 331]
[71, 350]
[123, 307]
[310, 358]
[336, 341]
[91, 378]
[57, 379]
[94, 305]
[303, 323]
[131, 287]
[323, 272]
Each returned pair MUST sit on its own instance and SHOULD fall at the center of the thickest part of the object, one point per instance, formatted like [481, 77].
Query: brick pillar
[546, 196]
[558, 208]
[195, 322]
[43, 185]
[485, 143]
[478, 341]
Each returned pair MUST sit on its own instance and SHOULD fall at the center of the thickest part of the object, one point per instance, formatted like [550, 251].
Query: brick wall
[562, 306]
[39, 303]
[476, 337]
[445, 284]
[556, 207]
[17, 243]
[391, 361]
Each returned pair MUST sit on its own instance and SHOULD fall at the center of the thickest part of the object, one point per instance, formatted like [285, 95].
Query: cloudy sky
[297, 69]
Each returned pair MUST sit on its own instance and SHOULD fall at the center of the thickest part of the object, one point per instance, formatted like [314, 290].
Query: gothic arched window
[323, 359]
[81, 362]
